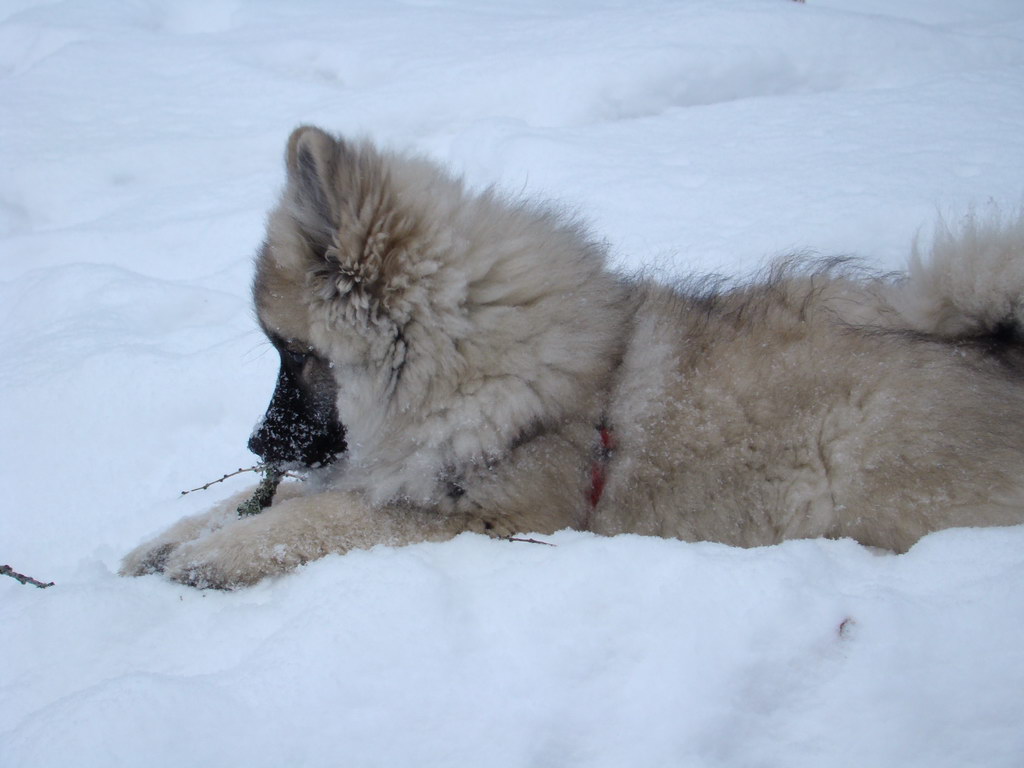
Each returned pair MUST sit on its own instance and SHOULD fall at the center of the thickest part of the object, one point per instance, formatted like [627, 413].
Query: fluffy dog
[454, 361]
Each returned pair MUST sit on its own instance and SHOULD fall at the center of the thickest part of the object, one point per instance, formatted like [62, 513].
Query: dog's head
[437, 325]
[336, 281]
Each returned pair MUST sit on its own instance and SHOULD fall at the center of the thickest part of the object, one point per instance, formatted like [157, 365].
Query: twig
[253, 468]
[264, 493]
[238, 471]
[529, 541]
[6, 569]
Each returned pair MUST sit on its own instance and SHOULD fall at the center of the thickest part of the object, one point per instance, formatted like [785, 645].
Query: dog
[459, 361]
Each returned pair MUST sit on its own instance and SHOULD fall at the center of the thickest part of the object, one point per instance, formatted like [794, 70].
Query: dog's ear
[311, 159]
[339, 196]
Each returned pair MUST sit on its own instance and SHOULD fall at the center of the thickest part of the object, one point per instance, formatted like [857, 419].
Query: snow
[140, 146]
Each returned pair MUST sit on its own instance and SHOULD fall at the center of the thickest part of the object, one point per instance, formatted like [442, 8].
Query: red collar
[600, 464]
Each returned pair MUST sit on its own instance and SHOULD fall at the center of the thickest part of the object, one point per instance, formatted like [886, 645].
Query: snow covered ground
[141, 144]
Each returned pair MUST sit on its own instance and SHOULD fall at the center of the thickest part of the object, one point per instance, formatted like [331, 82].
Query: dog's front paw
[153, 555]
[147, 558]
[238, 555]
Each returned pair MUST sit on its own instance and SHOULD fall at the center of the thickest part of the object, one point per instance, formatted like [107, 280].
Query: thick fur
[474, 345]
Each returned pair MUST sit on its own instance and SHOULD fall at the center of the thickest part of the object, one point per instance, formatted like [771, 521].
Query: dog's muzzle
[297, 428]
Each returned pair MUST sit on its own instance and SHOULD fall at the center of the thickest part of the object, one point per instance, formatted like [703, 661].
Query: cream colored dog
[457, 362]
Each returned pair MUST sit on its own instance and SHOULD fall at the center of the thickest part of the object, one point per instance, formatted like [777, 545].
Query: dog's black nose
[296, 429]
[260, 445]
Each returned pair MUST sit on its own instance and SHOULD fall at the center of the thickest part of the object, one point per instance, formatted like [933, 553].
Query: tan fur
[477, 343]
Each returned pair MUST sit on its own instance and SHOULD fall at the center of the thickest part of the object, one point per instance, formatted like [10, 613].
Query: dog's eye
[295, 357]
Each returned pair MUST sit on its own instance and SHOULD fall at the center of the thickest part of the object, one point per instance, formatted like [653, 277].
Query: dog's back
[819, 402]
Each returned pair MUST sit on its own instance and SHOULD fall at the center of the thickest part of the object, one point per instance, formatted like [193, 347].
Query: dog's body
[492, 375]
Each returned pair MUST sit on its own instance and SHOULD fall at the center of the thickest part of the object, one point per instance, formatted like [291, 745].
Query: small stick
[239, 471]
[7, 570]
[529, 541]
[264, 493]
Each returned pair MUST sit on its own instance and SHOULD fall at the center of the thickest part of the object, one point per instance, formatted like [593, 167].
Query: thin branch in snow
[529, 541]
[254, 468]
[7, 570]
[238, 471]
